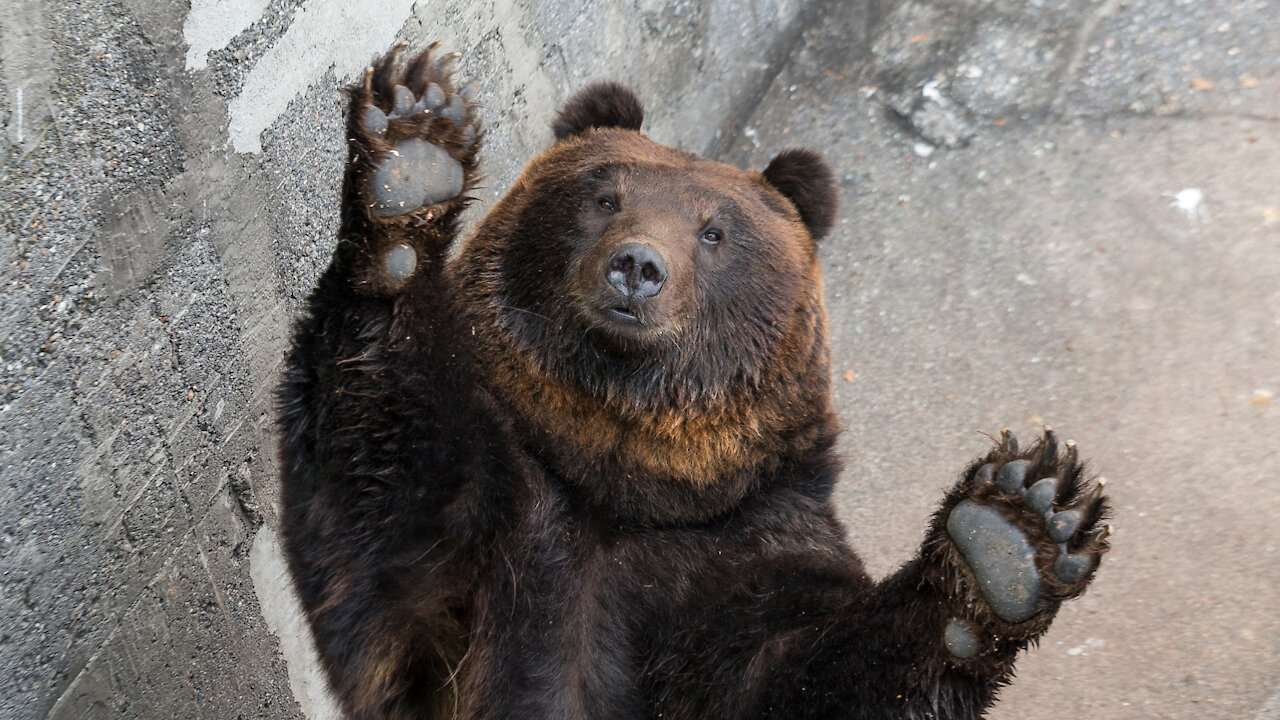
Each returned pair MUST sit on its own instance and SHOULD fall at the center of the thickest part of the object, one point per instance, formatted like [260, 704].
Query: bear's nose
[637, 271]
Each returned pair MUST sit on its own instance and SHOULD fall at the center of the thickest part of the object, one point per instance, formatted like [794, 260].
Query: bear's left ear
[601, 104]
[809, 183]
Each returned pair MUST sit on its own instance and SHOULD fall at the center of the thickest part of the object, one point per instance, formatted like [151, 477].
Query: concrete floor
[1061, 212]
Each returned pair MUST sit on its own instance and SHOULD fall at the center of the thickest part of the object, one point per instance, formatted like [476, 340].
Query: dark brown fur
[706, 420]
[502, 501]
[601, 104]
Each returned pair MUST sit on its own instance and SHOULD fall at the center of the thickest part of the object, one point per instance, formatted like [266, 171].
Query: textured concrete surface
[1058, 211]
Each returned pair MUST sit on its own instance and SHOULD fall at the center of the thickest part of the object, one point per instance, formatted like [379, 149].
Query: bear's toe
[375, 121]
[1029, 527]
[1070, 568]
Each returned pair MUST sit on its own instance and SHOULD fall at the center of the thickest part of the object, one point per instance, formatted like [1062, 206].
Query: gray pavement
[1055, 211]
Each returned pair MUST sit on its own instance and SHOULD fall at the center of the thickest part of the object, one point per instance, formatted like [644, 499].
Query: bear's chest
[556, 618]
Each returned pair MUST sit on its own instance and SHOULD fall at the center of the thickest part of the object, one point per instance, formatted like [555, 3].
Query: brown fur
[585, 470]
[708, 438]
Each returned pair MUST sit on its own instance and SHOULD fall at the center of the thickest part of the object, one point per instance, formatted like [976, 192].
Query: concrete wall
[169, 195]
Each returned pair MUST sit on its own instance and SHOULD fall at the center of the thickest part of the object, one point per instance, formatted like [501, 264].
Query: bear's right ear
[601, 104]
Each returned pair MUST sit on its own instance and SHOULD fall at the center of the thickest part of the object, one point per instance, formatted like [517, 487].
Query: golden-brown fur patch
[718, 436]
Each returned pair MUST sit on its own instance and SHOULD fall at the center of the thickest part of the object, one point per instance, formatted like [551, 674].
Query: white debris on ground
[1191, 202]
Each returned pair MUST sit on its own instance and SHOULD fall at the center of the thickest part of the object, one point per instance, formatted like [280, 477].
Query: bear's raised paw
[416, 134]
[1028, 527]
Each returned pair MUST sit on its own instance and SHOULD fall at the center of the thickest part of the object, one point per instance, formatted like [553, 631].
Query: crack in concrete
[1080, 44]
[75, 681]
[237, 647]
[779, 55]
[1270, 709]
[1045, 118]
[118, 622]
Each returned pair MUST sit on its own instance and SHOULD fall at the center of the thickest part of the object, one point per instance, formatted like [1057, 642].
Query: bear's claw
[417, 133]
[1008, 441]
[1027, 528]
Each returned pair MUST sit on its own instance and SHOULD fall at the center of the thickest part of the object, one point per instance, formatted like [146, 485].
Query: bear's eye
[712, 236]
[607, 204]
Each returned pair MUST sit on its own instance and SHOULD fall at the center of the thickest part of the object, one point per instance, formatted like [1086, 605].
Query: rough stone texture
[1007, 254]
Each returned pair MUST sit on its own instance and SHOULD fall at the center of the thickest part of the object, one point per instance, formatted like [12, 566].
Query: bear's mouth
[623, 315]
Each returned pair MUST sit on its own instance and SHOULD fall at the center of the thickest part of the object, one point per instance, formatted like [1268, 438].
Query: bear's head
[655, 318]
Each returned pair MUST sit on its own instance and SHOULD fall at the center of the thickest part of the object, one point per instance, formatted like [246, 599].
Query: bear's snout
[637, 271]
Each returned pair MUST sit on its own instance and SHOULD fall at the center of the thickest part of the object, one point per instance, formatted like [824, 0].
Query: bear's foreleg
[1019, 535]
[385, 440]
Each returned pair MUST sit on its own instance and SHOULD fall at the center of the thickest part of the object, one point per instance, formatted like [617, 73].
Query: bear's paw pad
[1022, 514]
[414, 174]
[1001, 558]
[400, 262]
[961, 639]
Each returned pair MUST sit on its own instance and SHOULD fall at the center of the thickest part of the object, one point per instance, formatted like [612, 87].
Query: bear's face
[652, 303]
[666, 250]
[668, 277]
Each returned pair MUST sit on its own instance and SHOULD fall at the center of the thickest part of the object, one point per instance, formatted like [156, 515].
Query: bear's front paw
[1027, 528]
[415, 135]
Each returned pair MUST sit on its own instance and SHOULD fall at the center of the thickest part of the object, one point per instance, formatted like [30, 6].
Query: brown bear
[583, 469]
